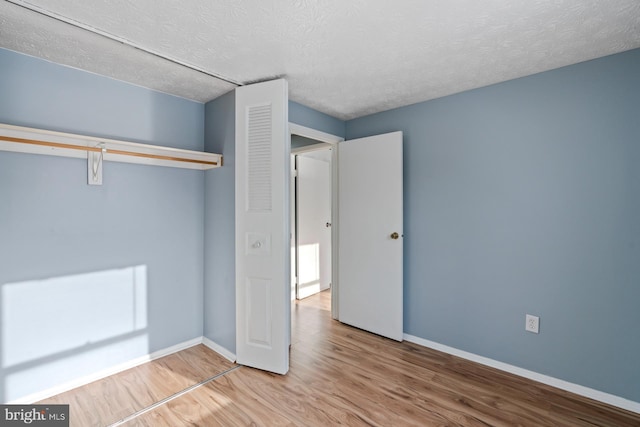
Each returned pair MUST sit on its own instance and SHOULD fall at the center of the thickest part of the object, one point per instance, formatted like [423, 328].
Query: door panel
[370, 204]
[314, 213]
[262, 236]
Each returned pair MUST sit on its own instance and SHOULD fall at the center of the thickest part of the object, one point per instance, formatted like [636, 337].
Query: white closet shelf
[40, 141]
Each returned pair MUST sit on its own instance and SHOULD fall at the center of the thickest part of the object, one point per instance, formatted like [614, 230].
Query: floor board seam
[172, 397]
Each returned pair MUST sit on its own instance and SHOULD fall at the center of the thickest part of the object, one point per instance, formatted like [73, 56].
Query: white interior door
[314, 219]
[370, 279]
[262, 171]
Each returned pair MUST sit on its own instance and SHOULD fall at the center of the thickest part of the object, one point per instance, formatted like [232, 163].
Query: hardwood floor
[342, 375]
[111, 399]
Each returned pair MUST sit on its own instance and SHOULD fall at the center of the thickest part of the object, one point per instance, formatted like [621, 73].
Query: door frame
[323, 137]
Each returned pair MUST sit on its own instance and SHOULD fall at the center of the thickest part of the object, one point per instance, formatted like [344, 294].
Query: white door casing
[262, 226]
[370, 206]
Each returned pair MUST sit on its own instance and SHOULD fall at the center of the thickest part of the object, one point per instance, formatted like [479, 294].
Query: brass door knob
[394, 235]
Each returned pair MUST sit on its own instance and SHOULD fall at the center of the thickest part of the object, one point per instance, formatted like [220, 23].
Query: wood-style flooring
[111, 399]
[339, 376]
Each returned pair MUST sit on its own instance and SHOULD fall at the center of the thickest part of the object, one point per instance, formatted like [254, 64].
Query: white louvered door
[262, 237]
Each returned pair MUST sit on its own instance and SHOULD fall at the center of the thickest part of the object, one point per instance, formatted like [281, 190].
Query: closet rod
[99, 149]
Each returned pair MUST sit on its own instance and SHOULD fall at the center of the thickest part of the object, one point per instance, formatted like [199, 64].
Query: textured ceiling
[345, 58]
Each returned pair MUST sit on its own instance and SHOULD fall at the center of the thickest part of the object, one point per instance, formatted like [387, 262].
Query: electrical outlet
[532, 324]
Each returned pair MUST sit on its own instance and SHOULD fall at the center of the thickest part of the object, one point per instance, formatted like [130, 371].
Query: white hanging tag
[94, 166]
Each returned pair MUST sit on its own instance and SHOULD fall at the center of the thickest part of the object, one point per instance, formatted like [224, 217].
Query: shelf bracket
[94, 165]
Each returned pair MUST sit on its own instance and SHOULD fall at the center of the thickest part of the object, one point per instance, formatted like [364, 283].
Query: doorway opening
[312, 207]
[311, 219]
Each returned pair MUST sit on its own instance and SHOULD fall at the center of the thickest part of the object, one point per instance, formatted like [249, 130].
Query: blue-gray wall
[524, 197]
[69, 241]
[305, 116]
[219, 228]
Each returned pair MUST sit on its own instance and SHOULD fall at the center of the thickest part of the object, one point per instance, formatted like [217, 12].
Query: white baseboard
[44, 394]
[219, 349]
[600, 396]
